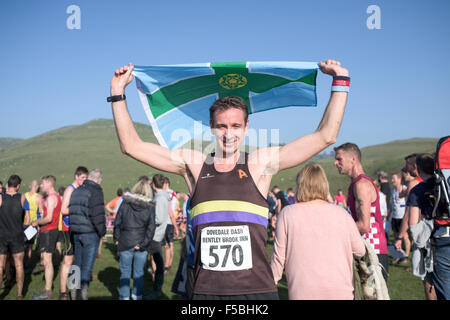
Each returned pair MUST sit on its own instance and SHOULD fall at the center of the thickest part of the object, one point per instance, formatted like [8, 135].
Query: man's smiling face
[229, 127]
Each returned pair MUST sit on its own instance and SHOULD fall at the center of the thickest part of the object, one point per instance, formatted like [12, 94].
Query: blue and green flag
[177, 98]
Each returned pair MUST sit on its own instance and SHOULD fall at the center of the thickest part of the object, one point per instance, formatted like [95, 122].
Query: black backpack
[441, 207]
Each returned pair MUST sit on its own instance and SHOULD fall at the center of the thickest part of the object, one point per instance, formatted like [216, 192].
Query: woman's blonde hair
[142, 188]
[312, 183]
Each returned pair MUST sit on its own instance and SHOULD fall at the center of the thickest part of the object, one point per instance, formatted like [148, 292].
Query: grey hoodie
[162, 201]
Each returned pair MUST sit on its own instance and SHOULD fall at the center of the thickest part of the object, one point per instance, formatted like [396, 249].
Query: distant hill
[95, 145]
[59, 152]
[7, 142]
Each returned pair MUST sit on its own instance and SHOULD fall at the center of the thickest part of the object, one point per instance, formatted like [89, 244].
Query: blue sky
[53, 76]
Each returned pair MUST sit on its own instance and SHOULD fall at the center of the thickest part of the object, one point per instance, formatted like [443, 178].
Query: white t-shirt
[173, 203]
[398, 204]
[383, 205]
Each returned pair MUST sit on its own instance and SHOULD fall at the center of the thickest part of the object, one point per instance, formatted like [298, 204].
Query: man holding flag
[228, 210]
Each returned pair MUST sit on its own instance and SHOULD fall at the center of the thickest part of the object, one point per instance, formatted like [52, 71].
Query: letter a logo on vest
[242, 174]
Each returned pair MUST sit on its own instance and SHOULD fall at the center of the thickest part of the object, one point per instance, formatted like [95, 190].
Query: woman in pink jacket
[315, 242]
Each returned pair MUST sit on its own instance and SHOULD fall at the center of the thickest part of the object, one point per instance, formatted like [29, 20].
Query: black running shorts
[12, 244]
[47, 241]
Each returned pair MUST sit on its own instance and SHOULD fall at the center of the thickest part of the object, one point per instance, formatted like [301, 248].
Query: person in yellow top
[34, 199]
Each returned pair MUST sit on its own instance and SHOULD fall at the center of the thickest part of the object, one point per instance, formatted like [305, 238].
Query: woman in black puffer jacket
[134, 228]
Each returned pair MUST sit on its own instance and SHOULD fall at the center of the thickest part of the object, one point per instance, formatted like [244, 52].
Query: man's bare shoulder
[364, 188]
[52, 200]
[189, 163]
[66, 196]
[68, 192]
[190, 157]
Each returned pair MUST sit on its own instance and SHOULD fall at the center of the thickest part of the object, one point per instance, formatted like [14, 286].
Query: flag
[177, 98]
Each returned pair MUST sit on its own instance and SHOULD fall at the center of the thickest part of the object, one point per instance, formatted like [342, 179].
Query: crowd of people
[229, 216]
[72, 224]
[390, 209]
[316, 236]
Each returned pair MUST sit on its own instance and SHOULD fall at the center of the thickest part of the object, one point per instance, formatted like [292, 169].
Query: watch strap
[119, 97]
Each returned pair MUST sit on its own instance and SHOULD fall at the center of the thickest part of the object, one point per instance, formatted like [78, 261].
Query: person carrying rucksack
[441, 216]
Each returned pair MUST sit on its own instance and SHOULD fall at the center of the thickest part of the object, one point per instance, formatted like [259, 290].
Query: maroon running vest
[229, 220]
[376, 236]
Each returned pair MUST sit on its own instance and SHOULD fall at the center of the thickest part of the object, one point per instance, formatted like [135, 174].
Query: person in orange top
[112, 205]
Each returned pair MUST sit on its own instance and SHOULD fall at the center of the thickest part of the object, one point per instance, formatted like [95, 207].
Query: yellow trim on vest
[60, 222]
[229, 205]
[33, 206]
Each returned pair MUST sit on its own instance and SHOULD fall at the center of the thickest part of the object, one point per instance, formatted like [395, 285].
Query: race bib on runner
[226, 248]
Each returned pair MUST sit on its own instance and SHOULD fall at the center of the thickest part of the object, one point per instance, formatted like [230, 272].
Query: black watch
[120, 97]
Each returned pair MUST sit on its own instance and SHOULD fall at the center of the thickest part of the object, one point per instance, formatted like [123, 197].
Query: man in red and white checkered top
[363, 201]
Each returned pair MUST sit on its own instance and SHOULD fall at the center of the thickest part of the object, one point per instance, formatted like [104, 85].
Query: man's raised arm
[302, 149]
[154, 155]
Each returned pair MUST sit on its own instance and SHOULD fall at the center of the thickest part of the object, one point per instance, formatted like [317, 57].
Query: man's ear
[354, 158]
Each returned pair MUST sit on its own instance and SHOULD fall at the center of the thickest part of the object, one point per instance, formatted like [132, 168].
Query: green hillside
[8, 142]
[95, 145]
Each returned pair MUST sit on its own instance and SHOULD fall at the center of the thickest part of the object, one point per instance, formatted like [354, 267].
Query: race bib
[226, 248]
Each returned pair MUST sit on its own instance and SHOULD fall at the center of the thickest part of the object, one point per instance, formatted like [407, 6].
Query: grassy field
[402, 285]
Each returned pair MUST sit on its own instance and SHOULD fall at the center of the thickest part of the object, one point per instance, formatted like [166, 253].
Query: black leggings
[156, 252]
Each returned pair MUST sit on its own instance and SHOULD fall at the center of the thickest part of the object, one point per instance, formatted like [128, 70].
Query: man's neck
[356, 171]
[50, 191]
[75, 184]
[11, 191]
[425, 176]
[222, 157]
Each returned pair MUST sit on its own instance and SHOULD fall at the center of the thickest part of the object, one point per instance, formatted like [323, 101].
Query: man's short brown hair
[226, 103]
[14, 181]
[411, 159]
[350, 147]
[81, 170]
[158, 180]
[398, 174]
[425, 163]
[50, 178]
